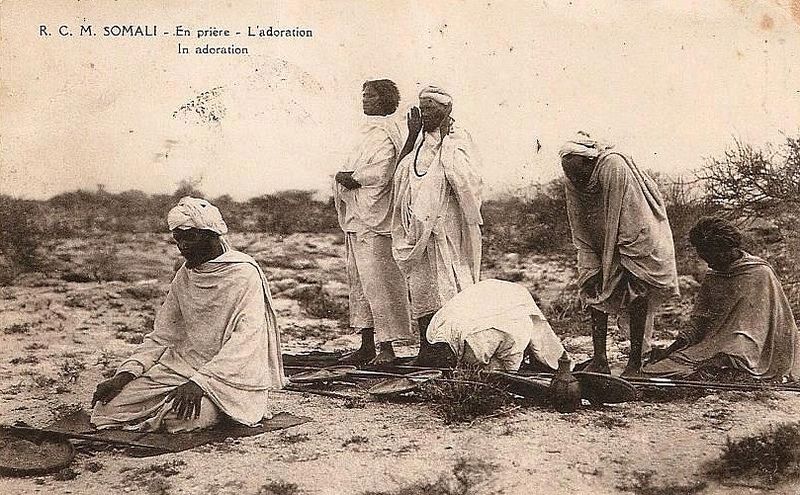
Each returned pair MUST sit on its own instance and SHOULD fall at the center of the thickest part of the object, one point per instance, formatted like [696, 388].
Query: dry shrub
[533, 220]
[567, 315]
[22, 235]
[144, 292]
[25, 360]
[316, 302]
[772, 455]
[105, 265]
[643, 485]
[17, 329]
[71, 369]
[468, 477]
[165, 469]
[469, 396]
[278, 488]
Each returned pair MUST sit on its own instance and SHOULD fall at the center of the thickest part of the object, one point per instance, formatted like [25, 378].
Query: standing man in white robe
[363, 197]
[215, 347]
[436, 234]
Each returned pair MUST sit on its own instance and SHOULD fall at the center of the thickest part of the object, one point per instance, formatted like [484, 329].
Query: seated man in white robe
[215, 348]
[493, 325]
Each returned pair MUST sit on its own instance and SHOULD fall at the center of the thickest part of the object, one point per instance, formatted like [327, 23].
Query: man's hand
[659, 353]
[108, 389]
[414, 118]
[186, 400]
[346, 179]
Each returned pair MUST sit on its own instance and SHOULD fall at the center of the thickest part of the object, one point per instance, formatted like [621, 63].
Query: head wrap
[198, 214]
[436, 94]
[583, 145]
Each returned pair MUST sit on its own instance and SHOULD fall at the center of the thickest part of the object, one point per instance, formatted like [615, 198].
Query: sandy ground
[60, 338]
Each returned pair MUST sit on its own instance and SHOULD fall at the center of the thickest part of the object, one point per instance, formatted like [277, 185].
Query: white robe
[497, 320]
[217, 327]
[436, 237]
[373, 162]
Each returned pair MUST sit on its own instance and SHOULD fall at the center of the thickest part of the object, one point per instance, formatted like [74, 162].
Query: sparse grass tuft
[25, 360]
[292, 439]
[467, 477]
[316, 302]
[70, 369]
[565, 312]
[772, 455]
[355, 440]
[474, 395]
[18, 329]
[643, 485]
[278, 488]
[147, 474]
[145, 292]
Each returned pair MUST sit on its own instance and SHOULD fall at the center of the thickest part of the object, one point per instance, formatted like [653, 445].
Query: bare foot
[385, 356]
[632, 371]
[357, 358]
[598, 367]
[427, 359]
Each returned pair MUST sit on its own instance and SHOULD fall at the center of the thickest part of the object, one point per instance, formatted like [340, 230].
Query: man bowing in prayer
[493, 325]
[436, 236]
[626, 258]
[363, 197]
[214, 350]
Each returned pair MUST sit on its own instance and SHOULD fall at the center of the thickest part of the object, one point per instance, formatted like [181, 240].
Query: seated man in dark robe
[742, 319]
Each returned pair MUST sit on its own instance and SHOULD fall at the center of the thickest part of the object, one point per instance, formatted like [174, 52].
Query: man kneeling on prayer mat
[493, 325]
[742, 319]
[215, 347]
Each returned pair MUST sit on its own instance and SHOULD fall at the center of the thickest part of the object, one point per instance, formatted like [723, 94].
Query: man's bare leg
[385, 354]
[426, 355]
[365, 353]
[638, 317]
[599, 363]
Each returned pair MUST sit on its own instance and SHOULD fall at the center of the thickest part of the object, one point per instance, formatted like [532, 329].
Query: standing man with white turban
[436, 234]
[626, 257]
[215, 347]
[362, 194]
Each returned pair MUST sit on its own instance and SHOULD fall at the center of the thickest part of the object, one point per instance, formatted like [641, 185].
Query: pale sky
[670, 82]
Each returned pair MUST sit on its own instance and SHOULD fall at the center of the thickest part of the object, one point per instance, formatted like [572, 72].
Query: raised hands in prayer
[414, 118]
[186, 400]
[108, 389]
[346, 179]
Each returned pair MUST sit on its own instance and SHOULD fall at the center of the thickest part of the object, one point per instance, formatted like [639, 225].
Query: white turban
[583, 145]
[436, 94]
[196, 213]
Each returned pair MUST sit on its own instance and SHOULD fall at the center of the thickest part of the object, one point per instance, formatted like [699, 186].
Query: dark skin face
[197, 246]
[578, 170]
[718, 258]
[371, 101]
[433, 114]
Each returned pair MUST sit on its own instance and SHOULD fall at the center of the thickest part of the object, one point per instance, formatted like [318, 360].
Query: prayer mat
[77, 425]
